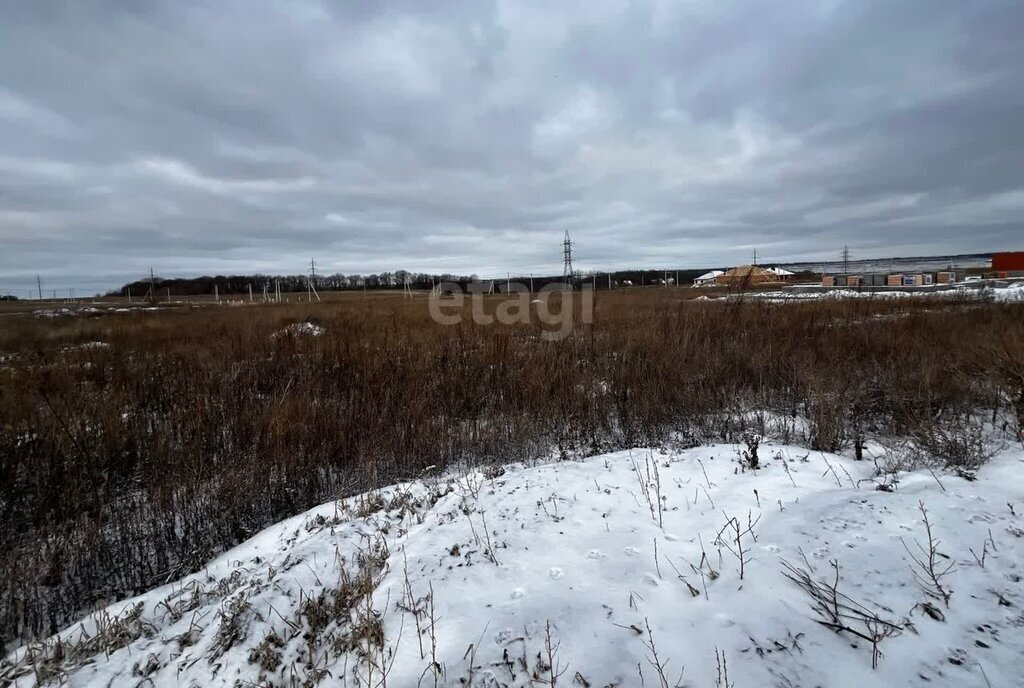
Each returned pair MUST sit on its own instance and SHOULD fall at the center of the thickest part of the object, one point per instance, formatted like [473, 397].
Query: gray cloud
[237, 136]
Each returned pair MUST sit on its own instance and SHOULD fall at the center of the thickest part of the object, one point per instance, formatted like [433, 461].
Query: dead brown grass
[125, 466]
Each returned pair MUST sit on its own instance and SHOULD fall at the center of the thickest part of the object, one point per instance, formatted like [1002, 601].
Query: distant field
[113, 303]
[135, 445]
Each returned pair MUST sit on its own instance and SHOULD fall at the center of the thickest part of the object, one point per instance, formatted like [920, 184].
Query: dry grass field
[136, 445]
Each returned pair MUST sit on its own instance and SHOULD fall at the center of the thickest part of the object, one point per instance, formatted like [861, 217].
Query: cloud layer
[241, 136]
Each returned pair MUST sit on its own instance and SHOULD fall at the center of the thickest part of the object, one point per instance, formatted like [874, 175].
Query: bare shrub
[841, 613]
[958, 444]
[931, 567]
[827, 421]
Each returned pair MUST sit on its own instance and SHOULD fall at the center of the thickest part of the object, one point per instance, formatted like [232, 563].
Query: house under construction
[745, 275]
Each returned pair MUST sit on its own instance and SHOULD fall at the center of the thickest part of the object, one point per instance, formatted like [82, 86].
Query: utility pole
[39, 285]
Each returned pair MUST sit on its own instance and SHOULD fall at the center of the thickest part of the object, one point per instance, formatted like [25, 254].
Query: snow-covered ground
[1014, 292]
[621, 570]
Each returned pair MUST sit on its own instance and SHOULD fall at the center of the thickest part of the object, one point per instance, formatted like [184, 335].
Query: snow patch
[300, 329]
[1012, 293]
[85, 347]
[593, 572]
[53, 312]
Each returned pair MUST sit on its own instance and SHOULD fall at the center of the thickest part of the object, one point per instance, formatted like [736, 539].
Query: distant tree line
[240, 284]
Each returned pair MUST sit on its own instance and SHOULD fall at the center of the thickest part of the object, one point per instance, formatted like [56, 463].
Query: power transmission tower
[846, 260]
[755, 257]
[567, 256]
[310, 289]
[39, 285]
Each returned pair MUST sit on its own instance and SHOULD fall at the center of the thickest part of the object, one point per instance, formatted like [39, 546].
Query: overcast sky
[240, 136]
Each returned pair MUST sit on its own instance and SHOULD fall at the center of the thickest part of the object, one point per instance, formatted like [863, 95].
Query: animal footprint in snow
[555, 572]
[958, 657]
[857, 539]
[596, 554]
[630, 551]
[774, 549]
[502, 635]
[670, 537]
[517, 594]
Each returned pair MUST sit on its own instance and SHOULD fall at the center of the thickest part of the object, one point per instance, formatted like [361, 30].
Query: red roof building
[1008, 262]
